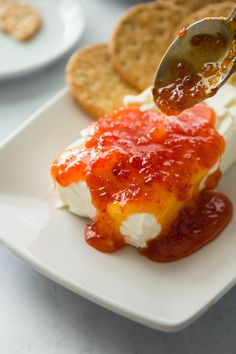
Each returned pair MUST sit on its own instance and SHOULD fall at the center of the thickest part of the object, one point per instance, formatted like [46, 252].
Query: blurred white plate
[62, 26]
[163, 296]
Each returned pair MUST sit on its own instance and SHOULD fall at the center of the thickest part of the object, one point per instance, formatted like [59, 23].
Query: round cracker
[20, 21]
[194, 5]
[141, 38]
[93, 81]
[215, 10]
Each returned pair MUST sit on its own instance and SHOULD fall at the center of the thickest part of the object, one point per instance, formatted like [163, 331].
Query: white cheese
[138, 228]
[77, 198]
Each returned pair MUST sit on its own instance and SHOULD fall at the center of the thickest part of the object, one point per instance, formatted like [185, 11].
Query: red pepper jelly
[196, 75]
[139, 162]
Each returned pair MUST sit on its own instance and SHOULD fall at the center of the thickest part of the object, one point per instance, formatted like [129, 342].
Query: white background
[38, 316]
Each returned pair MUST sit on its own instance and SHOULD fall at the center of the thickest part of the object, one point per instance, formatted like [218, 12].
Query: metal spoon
[182, 49]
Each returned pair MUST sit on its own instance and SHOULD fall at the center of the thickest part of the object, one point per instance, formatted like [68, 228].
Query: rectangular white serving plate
[163, 296]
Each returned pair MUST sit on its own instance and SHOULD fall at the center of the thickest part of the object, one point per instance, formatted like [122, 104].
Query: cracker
[194, 5]
[141, 38]
[215, 10]
[20, 21]
[93, 81]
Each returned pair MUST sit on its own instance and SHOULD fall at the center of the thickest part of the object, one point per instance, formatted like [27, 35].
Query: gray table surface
[38, 316]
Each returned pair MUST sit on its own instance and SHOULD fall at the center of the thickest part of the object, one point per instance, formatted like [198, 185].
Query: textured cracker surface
[215, 10]
[194, 5]
[20, 21]
[93, 81]
[142, 36]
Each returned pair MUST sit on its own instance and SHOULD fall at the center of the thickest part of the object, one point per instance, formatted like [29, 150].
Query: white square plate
[163, 296]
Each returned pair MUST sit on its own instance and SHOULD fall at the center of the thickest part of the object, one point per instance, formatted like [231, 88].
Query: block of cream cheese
[138, 228]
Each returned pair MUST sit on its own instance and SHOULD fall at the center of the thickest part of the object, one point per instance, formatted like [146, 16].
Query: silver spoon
[184, 50]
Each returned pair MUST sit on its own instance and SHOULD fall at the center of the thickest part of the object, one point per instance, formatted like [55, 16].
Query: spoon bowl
[184, 49]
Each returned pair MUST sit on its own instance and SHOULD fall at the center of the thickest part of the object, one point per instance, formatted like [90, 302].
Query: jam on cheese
[189, 81]
[135, 161]
[195, 226]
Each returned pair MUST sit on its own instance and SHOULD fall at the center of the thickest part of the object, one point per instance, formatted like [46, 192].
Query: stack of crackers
[100, 75]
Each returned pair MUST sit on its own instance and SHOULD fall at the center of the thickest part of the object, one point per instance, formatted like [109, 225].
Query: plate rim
[154, 322]
[54, 57]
